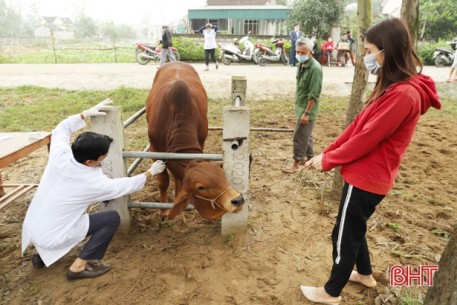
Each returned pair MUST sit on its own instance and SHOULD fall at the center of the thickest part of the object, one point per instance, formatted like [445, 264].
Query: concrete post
[114, 165]
[236, 163]
[238, 90]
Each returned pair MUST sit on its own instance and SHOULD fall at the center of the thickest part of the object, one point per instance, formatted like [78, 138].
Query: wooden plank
[17, 145]
[15, 194]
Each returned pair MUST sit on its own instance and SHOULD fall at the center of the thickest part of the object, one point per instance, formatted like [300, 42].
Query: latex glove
[97, 109]
[157, 167]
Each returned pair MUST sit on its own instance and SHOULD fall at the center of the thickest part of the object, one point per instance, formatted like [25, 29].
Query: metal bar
[155, 205]
[259, 129]
[133, 118]
[171, 156]
[137, 162]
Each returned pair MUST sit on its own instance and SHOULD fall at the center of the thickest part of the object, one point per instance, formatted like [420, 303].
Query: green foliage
[315, 16]
[189, 49]
[439, 17]
[71, 56]
[10, 21]
[114, 31]
[85, 27]
[425, 50]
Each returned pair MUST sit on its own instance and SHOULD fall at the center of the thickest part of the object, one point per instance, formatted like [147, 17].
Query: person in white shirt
[56, 219]
[209, 32]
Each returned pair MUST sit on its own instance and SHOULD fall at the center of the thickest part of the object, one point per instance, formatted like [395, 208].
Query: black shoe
[91, 271]
[37, 262]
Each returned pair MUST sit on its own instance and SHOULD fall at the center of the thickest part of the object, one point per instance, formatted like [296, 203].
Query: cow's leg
[163, 183]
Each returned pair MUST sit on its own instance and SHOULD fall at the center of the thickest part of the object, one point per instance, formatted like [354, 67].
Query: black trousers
[102, 226]
[208, 53]
[349, 242]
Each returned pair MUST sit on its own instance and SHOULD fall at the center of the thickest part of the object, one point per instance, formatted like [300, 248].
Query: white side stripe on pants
[342, 220]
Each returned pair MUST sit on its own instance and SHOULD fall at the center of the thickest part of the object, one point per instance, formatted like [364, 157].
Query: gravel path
[262, 82]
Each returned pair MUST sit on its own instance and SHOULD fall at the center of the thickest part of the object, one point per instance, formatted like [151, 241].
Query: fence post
[236, 154]
[114, 165]
[238, 90]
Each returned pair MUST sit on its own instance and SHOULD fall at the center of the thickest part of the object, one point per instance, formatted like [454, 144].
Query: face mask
[371, 64]
[301, 58]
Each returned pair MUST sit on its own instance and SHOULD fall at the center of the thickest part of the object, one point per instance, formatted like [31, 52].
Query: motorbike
[444, 56]
[266, 54]
[145, 53]
[230, 52]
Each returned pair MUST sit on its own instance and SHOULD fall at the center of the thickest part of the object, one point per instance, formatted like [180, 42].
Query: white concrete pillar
[236, 163]
[239, 86]
[114, 165]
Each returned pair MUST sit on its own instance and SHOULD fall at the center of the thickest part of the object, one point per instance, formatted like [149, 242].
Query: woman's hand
[315, 162]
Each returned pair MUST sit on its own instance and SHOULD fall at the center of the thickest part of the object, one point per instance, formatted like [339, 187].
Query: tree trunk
[360, 80]
[410, 14]
[444, 289]
[361, 74]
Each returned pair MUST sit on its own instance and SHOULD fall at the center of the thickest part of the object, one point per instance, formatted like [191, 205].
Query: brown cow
[176, 110]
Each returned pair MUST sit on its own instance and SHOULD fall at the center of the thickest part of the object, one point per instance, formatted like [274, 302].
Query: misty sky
[119, 11]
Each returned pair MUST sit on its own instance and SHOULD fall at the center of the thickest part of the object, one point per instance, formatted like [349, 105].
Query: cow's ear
[180, 204]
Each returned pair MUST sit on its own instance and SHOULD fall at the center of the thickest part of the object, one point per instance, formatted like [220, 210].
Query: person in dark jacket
[294, 36]
[166, 43]
[369, 152]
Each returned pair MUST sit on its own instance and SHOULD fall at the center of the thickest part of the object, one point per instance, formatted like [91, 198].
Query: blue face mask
[371, 64]
[301, 58]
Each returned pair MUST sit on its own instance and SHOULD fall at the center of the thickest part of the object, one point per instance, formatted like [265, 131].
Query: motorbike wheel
[225, 60]
[140, 59]
[285, 59]
[441, 60]
[177, 55]
[262, 61]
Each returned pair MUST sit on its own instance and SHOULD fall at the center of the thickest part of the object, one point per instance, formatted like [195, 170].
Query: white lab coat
[56, 219]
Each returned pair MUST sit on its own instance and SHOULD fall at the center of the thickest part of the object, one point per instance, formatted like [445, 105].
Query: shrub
[425, 50]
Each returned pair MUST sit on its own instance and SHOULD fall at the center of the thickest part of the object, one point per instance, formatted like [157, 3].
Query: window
[251, 25]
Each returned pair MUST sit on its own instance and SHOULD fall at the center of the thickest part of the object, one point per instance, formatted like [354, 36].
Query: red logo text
[421, 275]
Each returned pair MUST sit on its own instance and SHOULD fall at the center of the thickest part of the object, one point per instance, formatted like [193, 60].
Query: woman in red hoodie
[370, 150]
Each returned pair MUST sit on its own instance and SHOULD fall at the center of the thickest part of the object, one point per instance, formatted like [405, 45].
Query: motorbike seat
[443, 49]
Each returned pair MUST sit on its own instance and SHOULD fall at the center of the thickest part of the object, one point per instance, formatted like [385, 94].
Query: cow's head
[205, 186]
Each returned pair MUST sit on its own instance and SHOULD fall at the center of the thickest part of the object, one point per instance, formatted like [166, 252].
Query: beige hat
[209, 25]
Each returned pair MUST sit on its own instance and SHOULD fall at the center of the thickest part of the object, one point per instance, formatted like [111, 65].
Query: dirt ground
[188, 262]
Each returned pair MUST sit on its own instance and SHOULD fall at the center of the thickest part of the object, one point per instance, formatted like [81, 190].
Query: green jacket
[309, 86]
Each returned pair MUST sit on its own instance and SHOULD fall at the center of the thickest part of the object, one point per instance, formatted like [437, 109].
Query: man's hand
[98, 109]
[304, 119]
[315, 162]
[157, 167]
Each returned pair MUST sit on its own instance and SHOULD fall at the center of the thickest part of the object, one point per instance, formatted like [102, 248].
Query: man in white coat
[56, 219]
[209, 32]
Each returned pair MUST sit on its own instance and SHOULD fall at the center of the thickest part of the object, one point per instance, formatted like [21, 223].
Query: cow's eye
[200, 188]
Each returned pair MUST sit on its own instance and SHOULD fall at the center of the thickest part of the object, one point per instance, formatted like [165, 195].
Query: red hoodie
[371, 149]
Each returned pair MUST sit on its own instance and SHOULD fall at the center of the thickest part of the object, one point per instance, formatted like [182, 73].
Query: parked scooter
[230, 52]
[146, 53]
[444, 56]
[266, 54]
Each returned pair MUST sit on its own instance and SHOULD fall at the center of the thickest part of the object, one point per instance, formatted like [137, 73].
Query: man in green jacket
[309, 87]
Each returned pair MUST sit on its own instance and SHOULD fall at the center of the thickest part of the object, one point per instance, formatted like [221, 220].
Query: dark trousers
[208, 53]
[303, 141]
[349, 242]
[102, 226]
[292, 59]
